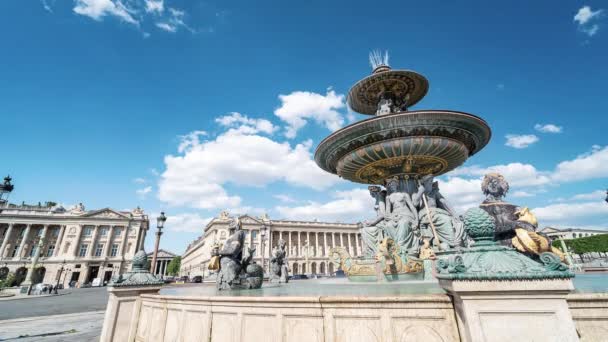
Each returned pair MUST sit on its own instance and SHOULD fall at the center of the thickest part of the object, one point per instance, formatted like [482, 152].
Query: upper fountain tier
[398, 142]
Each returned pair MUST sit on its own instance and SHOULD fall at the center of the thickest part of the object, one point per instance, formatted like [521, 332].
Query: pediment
[105, 213]
[246, 219]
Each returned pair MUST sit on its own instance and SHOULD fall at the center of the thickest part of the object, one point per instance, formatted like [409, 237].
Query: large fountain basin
[408, 143]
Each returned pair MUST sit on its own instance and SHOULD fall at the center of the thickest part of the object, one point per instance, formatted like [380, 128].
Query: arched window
[331, 268]
[294, 268]
[322, 268]
[574, 235]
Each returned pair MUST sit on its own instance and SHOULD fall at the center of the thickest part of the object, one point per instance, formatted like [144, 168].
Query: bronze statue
[278, 263]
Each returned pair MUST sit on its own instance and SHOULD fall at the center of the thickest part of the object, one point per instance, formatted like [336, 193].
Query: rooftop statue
[278, 263]
[514, 226]
[235, 269]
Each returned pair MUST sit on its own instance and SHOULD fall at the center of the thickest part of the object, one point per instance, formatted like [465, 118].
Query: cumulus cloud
[520, 141]
[598, 195]
[187, 222]
[173, 21]
[548, 128]
[300, 106]
[143, 193]
[517, 174]
[571, 213]
[97, 9]
[197, 175]
[155, 6]
[590, 165]
[244, 124]
[284, 198]
[347, 206]
[462, 193]
[586, 20]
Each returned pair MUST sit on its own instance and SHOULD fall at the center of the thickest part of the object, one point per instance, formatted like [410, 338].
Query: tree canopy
[174, 265]
[590, 244]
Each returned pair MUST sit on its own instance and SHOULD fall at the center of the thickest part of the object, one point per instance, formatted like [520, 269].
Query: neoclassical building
[88, 244]
[163, 258]
[308, 243]
[571, 233]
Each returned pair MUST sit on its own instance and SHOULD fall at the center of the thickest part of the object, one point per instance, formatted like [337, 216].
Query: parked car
[197, 279]
[298, 277]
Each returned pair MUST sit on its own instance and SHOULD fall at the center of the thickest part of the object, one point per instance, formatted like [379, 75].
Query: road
[74, 301]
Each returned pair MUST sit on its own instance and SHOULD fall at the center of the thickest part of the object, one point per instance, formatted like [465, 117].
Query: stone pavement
[76, 327]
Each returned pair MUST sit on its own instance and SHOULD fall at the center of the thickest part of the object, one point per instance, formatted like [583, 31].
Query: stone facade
[163, 258]
[571, 233]
[88, 244]
[308, 243]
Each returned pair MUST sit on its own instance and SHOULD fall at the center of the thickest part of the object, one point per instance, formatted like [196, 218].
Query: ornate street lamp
[59, 277]
[5, 190]
[160, 224]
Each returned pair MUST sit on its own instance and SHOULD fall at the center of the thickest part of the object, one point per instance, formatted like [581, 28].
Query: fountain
[510, 288]
[403, 150]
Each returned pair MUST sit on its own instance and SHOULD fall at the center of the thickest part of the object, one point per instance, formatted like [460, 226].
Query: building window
[83, 250]
[88, 231]
[254, 234]
[15, 249]
[574, 235]
[34, 250]
[103, 231]
[114, 250]
[117, 231]
[22, 233]
[50, 251]
[39, 232]
[56, 232]
[99, 249]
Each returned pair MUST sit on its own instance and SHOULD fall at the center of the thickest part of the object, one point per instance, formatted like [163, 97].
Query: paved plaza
[75, 315]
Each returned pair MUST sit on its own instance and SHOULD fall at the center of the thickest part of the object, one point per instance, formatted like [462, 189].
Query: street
[71, 301]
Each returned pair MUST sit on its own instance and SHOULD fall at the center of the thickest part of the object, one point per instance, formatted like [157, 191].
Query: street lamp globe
[160, 221]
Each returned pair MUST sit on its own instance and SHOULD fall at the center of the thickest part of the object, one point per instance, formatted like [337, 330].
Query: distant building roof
[162, 254]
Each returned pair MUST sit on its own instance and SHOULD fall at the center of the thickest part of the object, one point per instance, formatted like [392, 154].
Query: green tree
[174, 265]
[8, 281]
[582, 246]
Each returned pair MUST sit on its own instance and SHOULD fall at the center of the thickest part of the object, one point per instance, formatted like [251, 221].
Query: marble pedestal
[512, 310]
[123, 309]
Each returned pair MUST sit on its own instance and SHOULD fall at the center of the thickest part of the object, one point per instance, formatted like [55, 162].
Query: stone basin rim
[409, 298]
[325, 154]
[410, 112]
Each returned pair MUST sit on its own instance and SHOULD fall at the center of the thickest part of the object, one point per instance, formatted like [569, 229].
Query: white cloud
[190, 140]
[97, 9]
[548, 128]
[155, 6]
[571, 213]
[142, 193]
[244, 124]
[586, 166]
[520, 194]
[284, 198]
[197, 176]
[517, 174]
[187, 222]
[598, 195]
[461, 193]
[500, 86]
[174, 21]
[348, 206]
[586, 18]
[139, 180]
[300, 106]
[166, 27]
[47, 5]
[520, 141]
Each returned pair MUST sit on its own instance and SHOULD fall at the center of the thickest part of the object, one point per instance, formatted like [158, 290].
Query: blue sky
[125, 103]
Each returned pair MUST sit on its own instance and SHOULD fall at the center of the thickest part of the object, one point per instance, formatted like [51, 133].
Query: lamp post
[160, 223]
[5, 190]
[59, 277]
[262, 243]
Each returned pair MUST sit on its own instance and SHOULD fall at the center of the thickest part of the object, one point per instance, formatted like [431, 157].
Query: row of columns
[353, 249]
[11, 230]
[161, 267]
